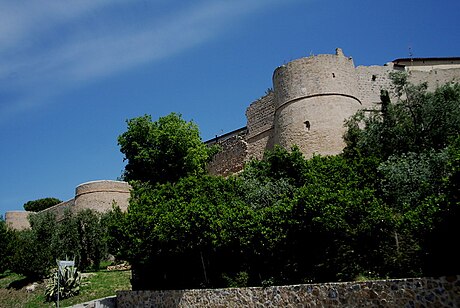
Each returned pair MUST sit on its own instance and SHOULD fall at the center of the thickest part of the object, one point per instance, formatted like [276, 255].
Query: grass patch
[95, 285]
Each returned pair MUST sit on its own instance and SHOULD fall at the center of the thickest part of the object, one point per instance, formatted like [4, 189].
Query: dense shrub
[6, 244]
[82, 235]
[34, 252]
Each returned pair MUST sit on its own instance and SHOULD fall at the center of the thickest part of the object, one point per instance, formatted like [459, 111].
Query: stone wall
[60, 209]
[325, 116]
[18, 220]
[260, 115]
[313, 96]
[96, 195]
[372, 79]
[231, 157]
[415, 292]
[435, 77]
[101, 195]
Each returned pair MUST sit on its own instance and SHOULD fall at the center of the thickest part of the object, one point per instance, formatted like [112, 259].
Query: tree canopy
[162, 151]
[384, 208]
[40, 204]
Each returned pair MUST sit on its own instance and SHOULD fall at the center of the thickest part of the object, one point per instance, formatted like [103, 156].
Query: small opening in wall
[307, 124]
[333, 75]
[374, 77]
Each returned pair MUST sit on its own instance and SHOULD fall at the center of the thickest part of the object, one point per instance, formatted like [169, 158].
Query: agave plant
[69, 283]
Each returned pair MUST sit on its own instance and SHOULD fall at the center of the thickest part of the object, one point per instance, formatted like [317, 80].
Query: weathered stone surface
[313, 96]
[379, 293]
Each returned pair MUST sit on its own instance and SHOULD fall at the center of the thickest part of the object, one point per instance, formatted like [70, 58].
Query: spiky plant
[69, 283]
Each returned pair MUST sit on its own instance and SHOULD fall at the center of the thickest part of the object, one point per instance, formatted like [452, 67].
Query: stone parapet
[413, 292]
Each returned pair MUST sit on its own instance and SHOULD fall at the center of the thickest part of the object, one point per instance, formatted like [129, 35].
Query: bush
[6, 244]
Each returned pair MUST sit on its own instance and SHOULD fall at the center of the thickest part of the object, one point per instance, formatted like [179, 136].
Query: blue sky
[72, 72]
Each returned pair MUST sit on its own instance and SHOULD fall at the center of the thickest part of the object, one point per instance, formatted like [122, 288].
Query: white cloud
[67, 43]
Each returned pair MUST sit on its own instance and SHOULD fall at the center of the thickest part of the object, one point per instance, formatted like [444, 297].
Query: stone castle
[310, 100]
[96, 195]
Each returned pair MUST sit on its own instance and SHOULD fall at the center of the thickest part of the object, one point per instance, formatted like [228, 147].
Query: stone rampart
[231, 157]
[260, 115]
[315, 125]
[60, 209]
[372, 79]
[414, 292]
[436, 77]
[314, 75]
[313, 96]
[96, 195]
[18, 220]
[101, 195]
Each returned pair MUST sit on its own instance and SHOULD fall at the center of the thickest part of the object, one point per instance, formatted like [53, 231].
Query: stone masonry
[96, 195]
[311, 99]
[413, 292]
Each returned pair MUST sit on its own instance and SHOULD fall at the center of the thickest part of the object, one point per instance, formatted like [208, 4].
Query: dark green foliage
[441, 256]
[40, 204]
[387, 207]
[278, 164]
[116, 237]
[91, 235]
[66, 238]
[418, 121]
[413, 143]
[6, 243]
[33, 254]
[82, 235]
[164, 150]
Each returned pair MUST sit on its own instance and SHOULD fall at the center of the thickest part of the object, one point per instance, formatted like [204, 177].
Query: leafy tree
[413, 143]
[409, 178]
[66, 238]
[418, 121]
[33, 254]
[5, 246]
[440, 257]
[92, 235]
[40, 204]
[164, 150]
[278, 164]
[82, 236]
[116, 236]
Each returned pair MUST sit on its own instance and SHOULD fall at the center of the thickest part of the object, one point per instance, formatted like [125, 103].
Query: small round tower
[313, 97]
[100, 195]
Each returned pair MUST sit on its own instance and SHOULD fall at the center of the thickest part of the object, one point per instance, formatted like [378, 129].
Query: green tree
[412, 143]
[164, 150]
[419, 120]
[40, 204]
[34, 253]
[5, 246]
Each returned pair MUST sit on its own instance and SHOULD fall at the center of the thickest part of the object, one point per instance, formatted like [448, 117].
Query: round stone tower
[313, 97]
[100, 195]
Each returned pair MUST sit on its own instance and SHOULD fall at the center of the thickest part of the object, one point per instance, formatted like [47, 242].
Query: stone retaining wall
[413, 292]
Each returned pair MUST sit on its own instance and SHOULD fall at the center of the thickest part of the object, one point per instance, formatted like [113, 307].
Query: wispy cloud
[48, 47]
